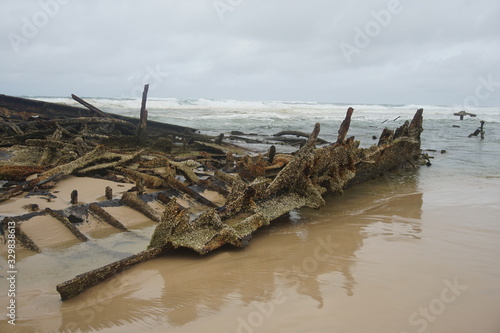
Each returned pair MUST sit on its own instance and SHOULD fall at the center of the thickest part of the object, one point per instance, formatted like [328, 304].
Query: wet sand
[47, 232]
[89, 190]
[399, 254]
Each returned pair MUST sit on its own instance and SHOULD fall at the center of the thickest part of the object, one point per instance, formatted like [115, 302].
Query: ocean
[266, 118]
[412, 251]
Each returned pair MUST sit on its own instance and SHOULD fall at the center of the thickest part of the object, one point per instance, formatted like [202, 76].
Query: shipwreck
[175, 166]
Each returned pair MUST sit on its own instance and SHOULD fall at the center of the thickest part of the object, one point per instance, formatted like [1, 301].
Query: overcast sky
[361, 51]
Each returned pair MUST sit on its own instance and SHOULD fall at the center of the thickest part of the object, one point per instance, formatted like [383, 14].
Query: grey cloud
[429, 53]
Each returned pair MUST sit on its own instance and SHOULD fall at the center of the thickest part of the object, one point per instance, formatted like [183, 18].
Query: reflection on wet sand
[301, 252]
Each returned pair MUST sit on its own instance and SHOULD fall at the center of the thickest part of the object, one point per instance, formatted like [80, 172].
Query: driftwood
[478, 131]
[180, 186]
[105, 216]
[69, 132]
[84, 281]
[21, 237]
[55, 173]
[18, 172]
[133, 201]
[186, 169]
[299, 134]
[64, 220]
[116, 160]
[82, 165]
[70, 167]
[12, 126]
[149, 181]
[123, 126]
[247, 140]
[143, 124]
[89, 106]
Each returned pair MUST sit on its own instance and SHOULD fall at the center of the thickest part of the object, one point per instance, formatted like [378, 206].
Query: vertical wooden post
[74, 197]
[143, 124]
[272, 154]
[344, 127]
[219, 139]
[482, 129]
[109, 193]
